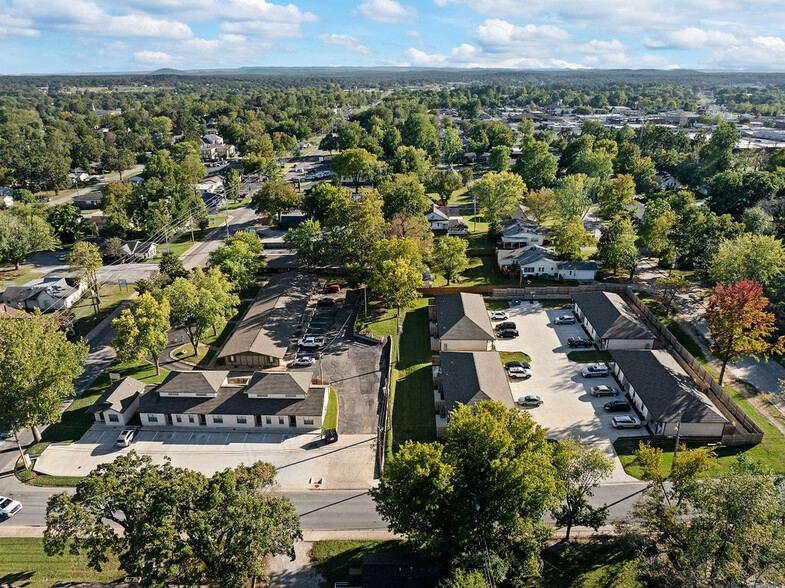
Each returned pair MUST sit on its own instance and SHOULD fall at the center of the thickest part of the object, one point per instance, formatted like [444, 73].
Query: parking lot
[568, 408]
[301, 460]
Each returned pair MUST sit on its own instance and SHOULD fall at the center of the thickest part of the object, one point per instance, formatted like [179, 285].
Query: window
[178, 418]
[231, 358]
[152, 418]
[281, 421]
[528, 270]
[308, 421]
[217, 419]
[113, 418]
[268, 420]
[241, 420]
[190, 418]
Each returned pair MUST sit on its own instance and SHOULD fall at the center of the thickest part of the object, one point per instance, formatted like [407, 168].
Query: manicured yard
[10, 276]
[186, 353]
[514, 356]
[31, 477]
[84, 314]
[597, 563]
[334, 558]
[24, 563]
[331, 416]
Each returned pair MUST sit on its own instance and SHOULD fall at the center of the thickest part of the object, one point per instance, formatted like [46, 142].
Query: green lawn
[10, 276]
[597, 563]
[75, 421]
[24, 563]
[30, 477]
[514, 356]
[331, 416]
[334, 558]
[186, 354]
[589, 356]
[478, 233]
[493, 304]
[84, 314]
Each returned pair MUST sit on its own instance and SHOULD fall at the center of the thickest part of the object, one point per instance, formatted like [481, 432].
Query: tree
[757, 221]
[717, 155]
[240, 259]
[430, 491]
[221, 289]
[417, 229]
[142, 330]
[615, 196]
[317, 201]
[497, 194]
[627, 156]
[451, 144]
[308, 241]
[20, 237]
[232, 184]
[571, 236]
[732, 192]
[171, 266]
[760, 258]
[449, 256]
[461, 578]
[500, 158]
[410, 160]
[572, 196]
[275, 197]
[539, 204]
[643, 173]
[579, 470]
[536, 165]
[67, 222]
[39, 368]
[354, 164]
[118, 160]
[443, 183]
[395, 282]
[116, 205]
[616, 247]
[193, 308]
[668, 287]
[655, 228]
[404, 194]
[178, 526]
[595, 163]
[418, 131]
[85, 260]
[739, 323]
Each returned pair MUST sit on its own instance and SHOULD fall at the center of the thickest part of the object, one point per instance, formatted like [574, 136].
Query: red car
[332, 289]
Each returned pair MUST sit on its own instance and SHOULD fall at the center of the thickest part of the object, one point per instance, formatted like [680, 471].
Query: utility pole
[166, 234]
[191, 224]
[226, 210]
[474, 203]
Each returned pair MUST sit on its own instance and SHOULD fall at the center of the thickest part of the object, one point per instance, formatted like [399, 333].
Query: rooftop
[469, 377]
[610, 316]
[460, 315]
[119, 396]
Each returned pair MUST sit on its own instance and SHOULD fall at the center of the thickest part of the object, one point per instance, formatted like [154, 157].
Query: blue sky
[54, 36]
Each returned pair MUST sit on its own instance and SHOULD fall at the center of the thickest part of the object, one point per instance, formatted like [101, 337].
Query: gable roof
[578, 265]
[262, 383]
[54, 287]
[194, 382]
[469, 377]
[666, 390]
[512, 227]
[119, 396]
[460, 315]
[610, 316]
[269, 323]
[439, 211]
[527, 255]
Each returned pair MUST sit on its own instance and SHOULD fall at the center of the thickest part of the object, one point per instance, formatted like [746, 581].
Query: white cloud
[346, 41]
[759, 52]
[501, 36]
[388, 11]
[155, 58]
[11, 26]
[466, 55]
[414, 34]
[599, 46]
[265, 28]
[226, 48]
[690, 38]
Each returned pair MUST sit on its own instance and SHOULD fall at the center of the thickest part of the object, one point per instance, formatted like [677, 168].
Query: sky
[67, 36]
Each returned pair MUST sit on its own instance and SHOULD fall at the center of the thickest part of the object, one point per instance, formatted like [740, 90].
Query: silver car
[626, 422]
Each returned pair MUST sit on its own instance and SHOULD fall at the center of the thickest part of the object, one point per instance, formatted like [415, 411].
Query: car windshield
[5, 502]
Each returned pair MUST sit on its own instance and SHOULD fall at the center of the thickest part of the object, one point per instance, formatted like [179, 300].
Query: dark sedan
[579, 342]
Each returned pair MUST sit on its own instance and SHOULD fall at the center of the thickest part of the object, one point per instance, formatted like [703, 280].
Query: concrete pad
[568, 408]
[302, 461]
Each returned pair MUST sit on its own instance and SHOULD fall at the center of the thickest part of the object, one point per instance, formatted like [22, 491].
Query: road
[241, 219]
[95, 187]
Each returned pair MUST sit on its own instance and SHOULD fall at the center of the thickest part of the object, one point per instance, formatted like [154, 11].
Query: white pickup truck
[311, 342]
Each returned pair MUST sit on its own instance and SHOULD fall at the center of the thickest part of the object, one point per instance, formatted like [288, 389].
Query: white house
[577, 270]
[135, 250]
[531, 261]
[665, 181]
[44, 293]
[665, 396]
[439, 217]
[610, 322]
[119, 402]
[274, 400]
[520, 233]
[211, 184]
[462, 323]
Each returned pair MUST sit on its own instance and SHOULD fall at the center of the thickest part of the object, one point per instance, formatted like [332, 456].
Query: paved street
[242, 219]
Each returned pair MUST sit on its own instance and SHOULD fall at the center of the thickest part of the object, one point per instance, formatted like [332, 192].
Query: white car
[304, 361]
[125, 437]
[499, 315]
[598, 370]
[626, 422]
[9, 507]
[565, 319]
[520, 373]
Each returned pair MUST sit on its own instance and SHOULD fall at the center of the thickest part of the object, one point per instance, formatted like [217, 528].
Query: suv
[579, 342]
[617, 406]
[519, 373]
[598, 370]
[332, 289]
[507, 334]
[326, 302]
[9, 507]
[125, 437]
[603, 390]
[565, 319]
[519, 364]
[499, 315]
[505, 326]
[626, 422]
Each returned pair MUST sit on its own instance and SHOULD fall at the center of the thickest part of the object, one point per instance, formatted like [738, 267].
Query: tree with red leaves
[739, 323]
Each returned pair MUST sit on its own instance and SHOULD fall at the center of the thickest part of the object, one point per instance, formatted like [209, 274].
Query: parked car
[62, 257]
[311, 342]
[626, 422]
[499, 315]
[505, 326]
[603, 390]
[303, 361]
[5, 434]
[507, 334]
[326, 302]
[617, 406]
[520, 364]
[579, 342]
[598, 370]
[125, 437]
[519, 373]
[332, 289]
[530, 400]
[565, 319]
[9, 507]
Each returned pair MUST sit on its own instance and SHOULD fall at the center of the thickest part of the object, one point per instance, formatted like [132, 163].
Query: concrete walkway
[297, 573]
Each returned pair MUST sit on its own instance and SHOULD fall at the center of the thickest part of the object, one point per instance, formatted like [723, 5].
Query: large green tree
[449, 257]
[443, 183]
[572, 196]
[760, 258]
[616, 247]
[536, 165]
[240, 259]
[354, 164]
[142, 330]
[615, 196]
[571, 236]
[232, 184]
[497, 194]
[275, 197]
[22, 236]
[404, 194]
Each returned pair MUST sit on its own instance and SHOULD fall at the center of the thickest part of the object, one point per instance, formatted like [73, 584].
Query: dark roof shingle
[610, 316]
[119, 396]
[460, 315]
[469, 377]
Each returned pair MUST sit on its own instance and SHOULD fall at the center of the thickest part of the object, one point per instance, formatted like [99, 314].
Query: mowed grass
[331, 415]
[10, 276]
[514, 356]
[186, 354]
[111, 296]
[24, 563]
[333, 558]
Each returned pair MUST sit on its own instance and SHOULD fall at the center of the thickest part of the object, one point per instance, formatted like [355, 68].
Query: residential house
[137, 180]
[469, 377]
[462, 323]
[582, 271]
[665, 396]
[90, 200]
[520, 233]
[610, 321]
[395, 570]
[119, 402]
[6, 201]
[78, 175]
[211, 185]
[48, 293]
[530, 261]
[439, 217]
[457, 226]
[136, 250]
[264, 334]
[213, 147]
[665, 181]
[269, 400]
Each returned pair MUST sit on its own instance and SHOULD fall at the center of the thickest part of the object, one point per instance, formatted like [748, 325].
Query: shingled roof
[610, 316]
[119, 396]
[463, 316]
[193, 382]
[283, 383]
[666, 390]
[469, 377]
